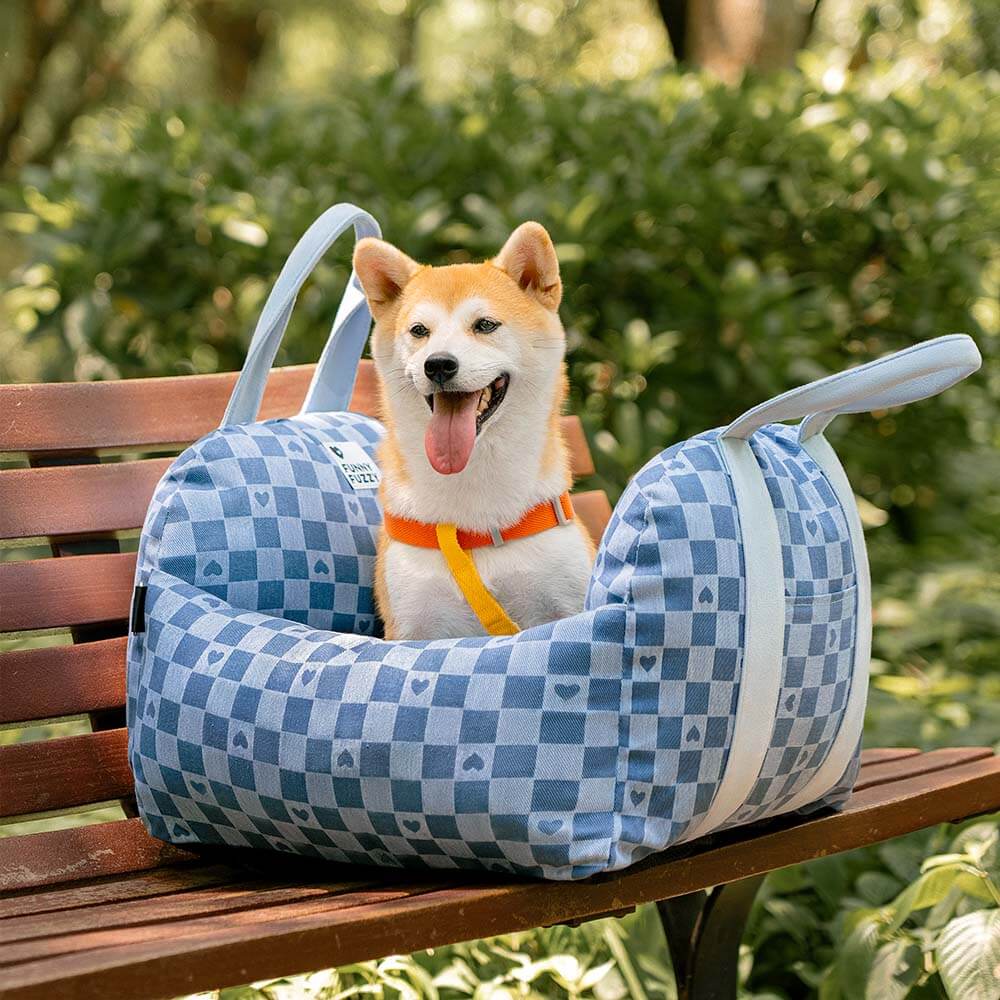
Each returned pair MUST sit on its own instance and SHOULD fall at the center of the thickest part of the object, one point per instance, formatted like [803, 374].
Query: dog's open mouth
[456, 420]
[489, 400]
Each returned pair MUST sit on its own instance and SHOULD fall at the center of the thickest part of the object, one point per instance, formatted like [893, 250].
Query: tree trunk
[45, 26]
[674, 14]
[727, 37]
[239, 36]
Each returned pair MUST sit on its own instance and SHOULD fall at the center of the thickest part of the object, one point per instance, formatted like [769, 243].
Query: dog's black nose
[439, 368]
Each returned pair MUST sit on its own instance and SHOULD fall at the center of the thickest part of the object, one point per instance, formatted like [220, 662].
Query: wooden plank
[68, 417]
[79, 770]
[78, 929]
[241, 914]
[71, 590]
[62, 680]
[72, 771]
[67, 500]
[77, 499]
[237, 948]
[898, 768]
[581, 460]
[60, 844]
[83, 852]
[877, 755]
[594, 511]
[142, 885]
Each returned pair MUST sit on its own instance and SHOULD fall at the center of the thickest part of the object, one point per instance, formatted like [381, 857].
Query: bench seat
[139, 917]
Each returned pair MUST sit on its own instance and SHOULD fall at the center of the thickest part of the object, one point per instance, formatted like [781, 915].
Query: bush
[718, 246]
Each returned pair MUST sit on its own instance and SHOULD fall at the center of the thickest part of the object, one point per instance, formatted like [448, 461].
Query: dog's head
[466, 350]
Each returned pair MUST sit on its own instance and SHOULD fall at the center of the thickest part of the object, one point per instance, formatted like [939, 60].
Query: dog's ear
[383, 271]
[529, 258]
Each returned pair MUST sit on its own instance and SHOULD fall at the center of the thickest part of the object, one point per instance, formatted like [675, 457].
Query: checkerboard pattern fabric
[672, 554]
[261, 516]
[568, 749]
[499, 752]
[673, 550]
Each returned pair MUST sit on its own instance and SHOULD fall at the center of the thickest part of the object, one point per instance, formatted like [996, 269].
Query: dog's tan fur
[519, 457]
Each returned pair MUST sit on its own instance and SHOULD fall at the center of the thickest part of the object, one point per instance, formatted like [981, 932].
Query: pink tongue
[451, 433]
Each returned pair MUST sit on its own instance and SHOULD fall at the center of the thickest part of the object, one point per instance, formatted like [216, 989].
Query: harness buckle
[559, 512]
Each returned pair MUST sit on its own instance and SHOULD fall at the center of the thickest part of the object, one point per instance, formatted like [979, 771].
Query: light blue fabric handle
[904, 377]
[334, 378]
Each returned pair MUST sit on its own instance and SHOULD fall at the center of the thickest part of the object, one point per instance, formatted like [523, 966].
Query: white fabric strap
[335, 373]
[333, 381]
[839, 755]
[763, 638]
[916, 373]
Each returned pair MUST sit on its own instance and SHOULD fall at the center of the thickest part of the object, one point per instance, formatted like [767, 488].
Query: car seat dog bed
[717, 675]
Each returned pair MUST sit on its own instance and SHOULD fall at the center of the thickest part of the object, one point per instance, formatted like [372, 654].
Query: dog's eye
[484, 325]
[418, 330]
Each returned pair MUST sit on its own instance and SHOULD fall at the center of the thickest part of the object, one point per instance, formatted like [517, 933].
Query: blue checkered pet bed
[717, 675]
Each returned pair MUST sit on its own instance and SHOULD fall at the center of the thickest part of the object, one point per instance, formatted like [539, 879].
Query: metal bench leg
[704, 930]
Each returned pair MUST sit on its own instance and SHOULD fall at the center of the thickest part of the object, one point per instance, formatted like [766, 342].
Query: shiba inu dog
[470, 359]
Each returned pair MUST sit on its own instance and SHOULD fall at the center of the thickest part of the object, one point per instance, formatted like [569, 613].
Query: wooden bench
[104, 910]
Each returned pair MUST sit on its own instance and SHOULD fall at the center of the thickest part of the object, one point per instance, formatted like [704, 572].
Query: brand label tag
[361, 472]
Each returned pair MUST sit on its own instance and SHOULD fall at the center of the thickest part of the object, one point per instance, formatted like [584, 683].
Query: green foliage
[916, 917]
[717, 247]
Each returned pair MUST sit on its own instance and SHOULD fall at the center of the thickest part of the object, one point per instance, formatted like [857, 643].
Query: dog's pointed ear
[530, 259]
[383, 271]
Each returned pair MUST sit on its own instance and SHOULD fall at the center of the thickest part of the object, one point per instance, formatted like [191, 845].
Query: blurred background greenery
[744, 194]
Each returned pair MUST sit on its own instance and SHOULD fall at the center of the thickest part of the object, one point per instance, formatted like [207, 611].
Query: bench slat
[77, 499]
[594, 510]
[67, 417]
[99, 850]
[876, 755]
[93, 767]
[66, 772]
[238, 947]
[241, 915]
[71, 590]
[911, 766]
[138, 885]
[82, 922]
[84, 499]
[62, 680]
[82, 590]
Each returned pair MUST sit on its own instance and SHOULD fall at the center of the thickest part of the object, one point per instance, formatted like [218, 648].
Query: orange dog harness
[455, 543]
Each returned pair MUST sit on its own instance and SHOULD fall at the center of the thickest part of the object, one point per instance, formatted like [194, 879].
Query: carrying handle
[333, 380]
[904, 377]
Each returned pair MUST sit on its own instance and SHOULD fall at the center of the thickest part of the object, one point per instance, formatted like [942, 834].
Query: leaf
[877, 888]
[897, 966]
[933, 886]
[902, 857]
[857, 955]
[593, 976]
[968, 956]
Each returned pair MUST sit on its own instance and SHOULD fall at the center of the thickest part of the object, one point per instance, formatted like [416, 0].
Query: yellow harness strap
[491, 615]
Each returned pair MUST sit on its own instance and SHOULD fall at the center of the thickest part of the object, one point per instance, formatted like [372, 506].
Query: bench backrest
[84, 459]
